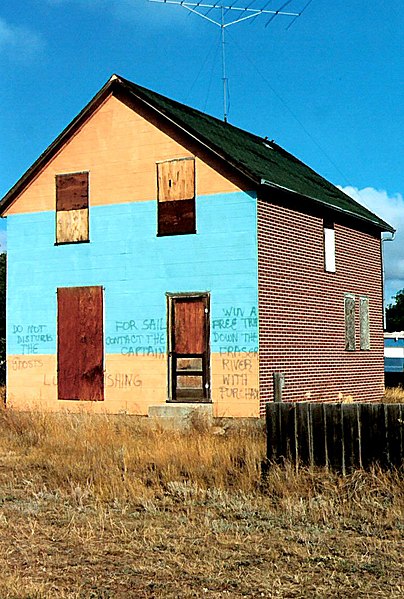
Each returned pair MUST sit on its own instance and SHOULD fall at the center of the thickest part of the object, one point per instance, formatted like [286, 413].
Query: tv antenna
[202, 9]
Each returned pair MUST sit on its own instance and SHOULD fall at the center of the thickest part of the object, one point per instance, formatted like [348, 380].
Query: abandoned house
[157, 255]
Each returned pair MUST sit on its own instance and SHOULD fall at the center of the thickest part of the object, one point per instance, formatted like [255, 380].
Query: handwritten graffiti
[144, 337]
[147, 324]
[238, 393]
[238, 378]
[115, 380]
[122, 380]
[18, 364]
[31, 338]
[235, 335]
[236, 319]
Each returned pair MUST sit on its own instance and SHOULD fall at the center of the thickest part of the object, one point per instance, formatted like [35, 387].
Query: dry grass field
[394, 395]
[105, 507]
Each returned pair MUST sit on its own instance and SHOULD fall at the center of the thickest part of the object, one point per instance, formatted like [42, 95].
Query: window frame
[167, 206]
[329, 246]
[65, 217]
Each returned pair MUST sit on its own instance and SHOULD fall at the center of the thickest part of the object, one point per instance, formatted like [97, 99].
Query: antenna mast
[202, 9]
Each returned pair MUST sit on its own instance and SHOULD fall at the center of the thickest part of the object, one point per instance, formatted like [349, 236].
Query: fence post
[336, 435]
[279, 383]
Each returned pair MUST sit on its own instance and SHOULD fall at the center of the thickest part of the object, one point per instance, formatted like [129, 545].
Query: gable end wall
[136, 268]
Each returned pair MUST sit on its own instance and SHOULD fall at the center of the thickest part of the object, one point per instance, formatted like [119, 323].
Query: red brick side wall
[301, 308]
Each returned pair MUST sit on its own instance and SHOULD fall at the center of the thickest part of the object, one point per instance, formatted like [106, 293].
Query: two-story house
[159, 255]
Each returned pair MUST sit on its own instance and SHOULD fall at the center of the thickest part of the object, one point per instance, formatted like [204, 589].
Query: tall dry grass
[123, 457]
[393, 395]
[113, 458]
[110, 506]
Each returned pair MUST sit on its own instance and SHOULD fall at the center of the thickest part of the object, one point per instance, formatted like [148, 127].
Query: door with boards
[80, 344]
[188, 347]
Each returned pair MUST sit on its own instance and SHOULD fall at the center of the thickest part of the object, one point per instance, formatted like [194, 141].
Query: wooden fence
[337, 435]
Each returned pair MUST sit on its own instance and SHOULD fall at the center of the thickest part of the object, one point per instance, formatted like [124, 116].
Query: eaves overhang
[56, 145]
[194, 134]
[126, 90]
[376, 221]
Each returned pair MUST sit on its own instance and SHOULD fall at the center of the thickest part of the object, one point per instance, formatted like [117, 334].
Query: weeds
[110, 506]
[394, 395]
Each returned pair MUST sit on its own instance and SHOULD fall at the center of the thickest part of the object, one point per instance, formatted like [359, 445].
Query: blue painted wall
[137, 268]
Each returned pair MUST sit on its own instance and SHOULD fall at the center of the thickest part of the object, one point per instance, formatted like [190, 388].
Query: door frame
[171, 297]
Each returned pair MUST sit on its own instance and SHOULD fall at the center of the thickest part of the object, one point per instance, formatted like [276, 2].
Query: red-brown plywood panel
[190, 331]
[72, 191]
[176, 217]
[80, 343]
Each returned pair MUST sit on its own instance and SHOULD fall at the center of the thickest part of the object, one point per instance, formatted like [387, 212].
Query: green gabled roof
[260, 160]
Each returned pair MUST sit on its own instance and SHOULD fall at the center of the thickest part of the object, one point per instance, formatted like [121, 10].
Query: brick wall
[301, 307]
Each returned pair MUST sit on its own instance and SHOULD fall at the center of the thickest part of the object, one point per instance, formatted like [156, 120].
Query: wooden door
[80, 343]
[189, 348]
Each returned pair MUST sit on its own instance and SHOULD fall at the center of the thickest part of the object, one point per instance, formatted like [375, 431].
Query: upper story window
[176, 197]
[329, 246]
[72, 208]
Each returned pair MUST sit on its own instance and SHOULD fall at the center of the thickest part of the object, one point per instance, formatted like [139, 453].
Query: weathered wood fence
[337, 435]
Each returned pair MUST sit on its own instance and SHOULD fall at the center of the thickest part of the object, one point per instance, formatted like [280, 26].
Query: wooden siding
[137, 269]
[132, 384]
[120, 149]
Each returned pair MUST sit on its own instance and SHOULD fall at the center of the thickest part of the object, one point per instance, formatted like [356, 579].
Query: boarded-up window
[349, 322]
[176, 197]
[364, 322]
[329, 247]
[72, 208]
[80, 343]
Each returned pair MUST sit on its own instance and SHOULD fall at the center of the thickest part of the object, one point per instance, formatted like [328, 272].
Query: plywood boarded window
[176, 197]
[349, 322]
[329, 246]
[72, 208]
[364, 322]
[80, 343]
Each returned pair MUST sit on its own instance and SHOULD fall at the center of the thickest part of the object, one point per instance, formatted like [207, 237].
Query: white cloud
[18, 42]
[391, 209]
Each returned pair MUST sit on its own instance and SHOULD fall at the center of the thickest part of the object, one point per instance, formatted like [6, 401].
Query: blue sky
[329, 89]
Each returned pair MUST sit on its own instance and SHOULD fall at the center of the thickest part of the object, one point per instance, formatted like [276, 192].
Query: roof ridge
[188, 108]
[261, 160]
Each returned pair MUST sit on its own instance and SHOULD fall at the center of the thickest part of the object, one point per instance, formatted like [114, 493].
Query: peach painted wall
[120, 149]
